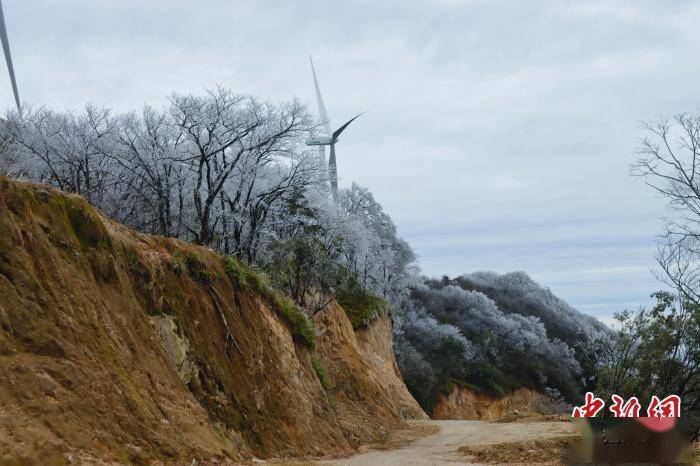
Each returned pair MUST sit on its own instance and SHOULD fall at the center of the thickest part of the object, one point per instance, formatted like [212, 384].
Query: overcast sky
[498, 134]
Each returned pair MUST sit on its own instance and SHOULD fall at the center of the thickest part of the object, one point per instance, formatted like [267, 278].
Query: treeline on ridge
[494, 333]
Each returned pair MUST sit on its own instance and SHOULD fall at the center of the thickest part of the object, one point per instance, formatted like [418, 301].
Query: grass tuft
[246, 278]
[178, 263]
[188, 262]
[320, 370]
[84, 221]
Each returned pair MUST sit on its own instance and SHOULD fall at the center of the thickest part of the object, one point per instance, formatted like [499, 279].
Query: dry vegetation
[549, 451]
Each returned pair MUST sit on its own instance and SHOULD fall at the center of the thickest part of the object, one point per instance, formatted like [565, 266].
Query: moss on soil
[361, 306]
[84, 221]
[302, 328]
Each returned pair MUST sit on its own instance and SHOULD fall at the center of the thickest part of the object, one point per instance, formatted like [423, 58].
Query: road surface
[441, 448]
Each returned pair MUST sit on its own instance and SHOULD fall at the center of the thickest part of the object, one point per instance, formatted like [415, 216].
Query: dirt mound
[466, 403]
[130, 348]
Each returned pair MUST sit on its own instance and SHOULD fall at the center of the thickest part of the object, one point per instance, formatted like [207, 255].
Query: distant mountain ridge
[496, 334]
[516, 292]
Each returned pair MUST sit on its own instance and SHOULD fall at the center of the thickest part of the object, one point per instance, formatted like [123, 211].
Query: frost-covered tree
[517, 293]
[430, 354]
[65, 149]
[669, 164]
[241, 156]
[152, 182]
[344, 244]
[382, 261]
[208, 169]
[510, 346]
[226, 171]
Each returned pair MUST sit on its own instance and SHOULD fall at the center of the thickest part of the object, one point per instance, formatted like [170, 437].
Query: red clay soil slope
[366, 385]
[123, 347]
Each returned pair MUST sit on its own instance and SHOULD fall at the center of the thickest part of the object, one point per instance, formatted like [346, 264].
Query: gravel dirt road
[441, 448]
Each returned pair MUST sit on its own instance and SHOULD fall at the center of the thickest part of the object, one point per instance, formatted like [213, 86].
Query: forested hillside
[495, 333]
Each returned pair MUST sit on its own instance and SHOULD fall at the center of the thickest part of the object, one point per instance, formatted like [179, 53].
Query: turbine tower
[8, 57]
[328, 137]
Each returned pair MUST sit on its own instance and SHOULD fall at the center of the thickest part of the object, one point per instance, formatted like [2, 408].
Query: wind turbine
[8, 57]
[328, 137]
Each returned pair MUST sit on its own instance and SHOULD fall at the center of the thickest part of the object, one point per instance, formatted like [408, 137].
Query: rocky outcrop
[176, 347]
[466, 403]
[122, 347]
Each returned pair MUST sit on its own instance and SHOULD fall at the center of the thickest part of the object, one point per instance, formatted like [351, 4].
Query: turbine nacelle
[321, 140]
[325, 140]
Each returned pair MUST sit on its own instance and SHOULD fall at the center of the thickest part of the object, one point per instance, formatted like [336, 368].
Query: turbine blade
[337, 132]
[8, 57]
[322, 113]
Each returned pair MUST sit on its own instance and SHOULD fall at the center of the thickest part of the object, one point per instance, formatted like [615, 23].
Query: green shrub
[320, 370]
[302, 327]
[242, 423]
[207, 276]
[303, 263]
[361, 306]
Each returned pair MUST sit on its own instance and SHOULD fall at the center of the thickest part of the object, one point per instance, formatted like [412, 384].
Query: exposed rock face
[114, 348]
[465, 403]
[176, 347]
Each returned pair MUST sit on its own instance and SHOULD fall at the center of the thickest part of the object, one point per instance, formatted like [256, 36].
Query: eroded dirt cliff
[466, 403]
[125, 347]
[366, 386]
